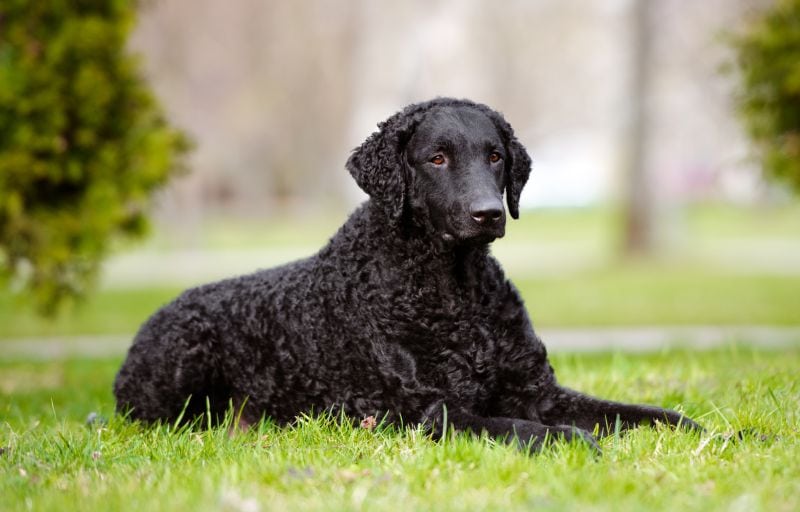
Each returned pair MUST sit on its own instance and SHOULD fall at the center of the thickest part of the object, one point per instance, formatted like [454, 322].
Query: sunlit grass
[53, 461]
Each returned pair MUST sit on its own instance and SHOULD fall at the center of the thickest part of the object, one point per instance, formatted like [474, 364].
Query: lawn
[725, 266]
[52, 461]
[728, 267]
[615, 296]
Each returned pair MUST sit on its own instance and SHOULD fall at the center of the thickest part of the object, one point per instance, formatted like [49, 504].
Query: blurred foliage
[768, 58]
[83, 143]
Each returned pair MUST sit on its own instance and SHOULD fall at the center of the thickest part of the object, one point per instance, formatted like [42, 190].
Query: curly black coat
[404, 314]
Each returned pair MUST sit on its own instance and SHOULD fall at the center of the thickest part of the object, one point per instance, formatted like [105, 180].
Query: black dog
[402, 315]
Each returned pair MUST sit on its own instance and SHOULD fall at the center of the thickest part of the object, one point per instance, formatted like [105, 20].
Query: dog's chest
[451, 336]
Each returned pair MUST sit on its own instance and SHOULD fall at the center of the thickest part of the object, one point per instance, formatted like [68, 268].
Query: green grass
[725, 266]
[655, 295]
[106, 312]
[611, 296]
[52, 461]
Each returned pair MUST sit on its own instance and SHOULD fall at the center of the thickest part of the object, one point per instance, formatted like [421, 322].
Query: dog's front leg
[569, 407]
[527, 434]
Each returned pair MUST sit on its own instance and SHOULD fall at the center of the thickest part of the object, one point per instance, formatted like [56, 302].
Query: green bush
[768, 58]
[83, 143]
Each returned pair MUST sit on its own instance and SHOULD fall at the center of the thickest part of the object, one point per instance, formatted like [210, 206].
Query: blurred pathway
[625, 339]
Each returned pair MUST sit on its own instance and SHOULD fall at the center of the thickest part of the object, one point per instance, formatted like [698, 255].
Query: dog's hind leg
[171, 373]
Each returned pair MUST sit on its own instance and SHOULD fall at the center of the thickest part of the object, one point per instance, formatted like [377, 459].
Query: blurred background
[277, 93]
[646, 207]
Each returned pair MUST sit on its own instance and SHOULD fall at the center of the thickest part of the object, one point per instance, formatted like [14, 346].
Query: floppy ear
[378, 164]
[518, 168]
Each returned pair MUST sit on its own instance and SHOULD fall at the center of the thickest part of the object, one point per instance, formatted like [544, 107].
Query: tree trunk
[639, 199]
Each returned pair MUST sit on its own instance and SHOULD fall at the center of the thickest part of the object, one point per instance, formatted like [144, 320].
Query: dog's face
[456, 162]
[444, 164]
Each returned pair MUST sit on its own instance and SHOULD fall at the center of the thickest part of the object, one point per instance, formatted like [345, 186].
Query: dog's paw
[678, 420]
[536, 438]
[575, 434]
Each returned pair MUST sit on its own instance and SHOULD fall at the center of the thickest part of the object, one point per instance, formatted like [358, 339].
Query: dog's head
[445, 164]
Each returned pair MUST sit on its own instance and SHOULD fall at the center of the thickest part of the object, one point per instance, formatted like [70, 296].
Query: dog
[404, 315]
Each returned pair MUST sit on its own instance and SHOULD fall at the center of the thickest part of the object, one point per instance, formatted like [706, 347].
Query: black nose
[486, 213]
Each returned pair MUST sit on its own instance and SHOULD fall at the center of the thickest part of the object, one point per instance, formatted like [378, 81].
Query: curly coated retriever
[403, 315]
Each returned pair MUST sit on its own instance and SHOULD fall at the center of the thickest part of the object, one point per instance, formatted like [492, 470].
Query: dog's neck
[415, 245]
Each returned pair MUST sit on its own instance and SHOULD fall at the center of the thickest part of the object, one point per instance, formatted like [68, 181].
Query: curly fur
[386, 320]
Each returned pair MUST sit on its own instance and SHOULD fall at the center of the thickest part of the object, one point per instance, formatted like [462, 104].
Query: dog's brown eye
[437, 160]
[494, 156]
